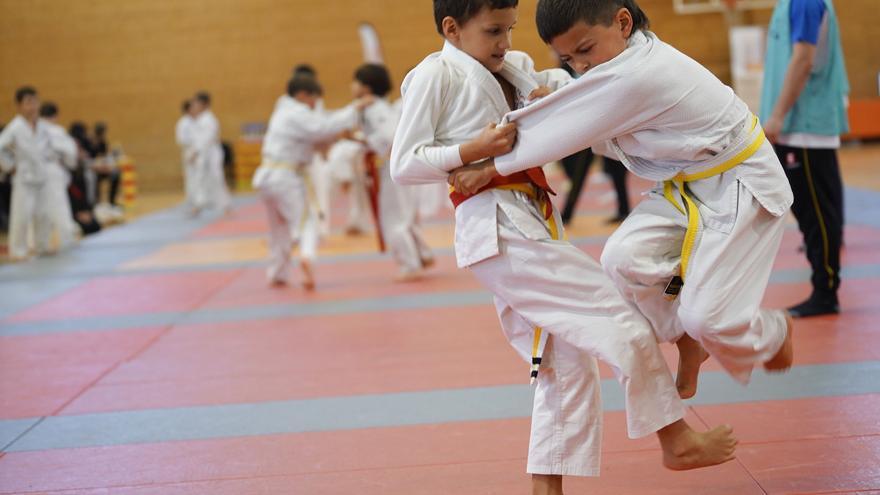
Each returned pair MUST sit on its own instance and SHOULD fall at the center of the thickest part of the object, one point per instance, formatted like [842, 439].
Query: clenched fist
[494, 141]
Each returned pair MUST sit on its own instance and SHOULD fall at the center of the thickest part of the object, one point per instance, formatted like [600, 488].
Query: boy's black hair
[184, 107]
[204, 97]
[555, 17]
[48, 110]
[304, 69]
[375, 77]
[23, 92]
[100, 128]
[303, 83]
[463, 10]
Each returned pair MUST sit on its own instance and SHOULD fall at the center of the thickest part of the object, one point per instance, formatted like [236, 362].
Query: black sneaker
[815, 307]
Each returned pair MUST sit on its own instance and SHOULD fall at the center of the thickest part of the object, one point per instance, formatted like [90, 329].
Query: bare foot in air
[684, 448]
[408, 276]
[783, 359]
[691, 356]
[308, 281]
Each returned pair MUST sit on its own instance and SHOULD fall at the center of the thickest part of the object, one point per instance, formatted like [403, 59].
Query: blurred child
[398, 208]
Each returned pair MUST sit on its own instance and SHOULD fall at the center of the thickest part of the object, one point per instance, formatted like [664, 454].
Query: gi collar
[522, 81]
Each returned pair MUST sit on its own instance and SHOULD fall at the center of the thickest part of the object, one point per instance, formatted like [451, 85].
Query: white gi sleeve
[7, 156]
[317, 126]
[383, 124]
[601, 105]
[416, 158]
[63, 146]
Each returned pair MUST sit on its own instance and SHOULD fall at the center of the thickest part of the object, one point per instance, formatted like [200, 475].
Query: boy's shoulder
[433, 71]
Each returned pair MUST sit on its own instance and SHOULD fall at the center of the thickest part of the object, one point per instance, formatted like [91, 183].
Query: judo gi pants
[399, 219]
[290, 221]
[30, 212]
[555, 286]
[727, 275]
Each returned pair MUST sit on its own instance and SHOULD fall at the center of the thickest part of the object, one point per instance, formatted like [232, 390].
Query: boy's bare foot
[546, 484]
[684, 448]
[408, 276]
[308, 281]
[691, 356]
[428, 262]
[277, 283]
[783, 359]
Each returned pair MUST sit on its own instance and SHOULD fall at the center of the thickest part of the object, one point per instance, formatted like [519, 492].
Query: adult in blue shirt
[804, 113]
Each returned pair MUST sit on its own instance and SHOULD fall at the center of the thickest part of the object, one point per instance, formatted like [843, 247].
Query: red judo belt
[371, 161]
[534, 176]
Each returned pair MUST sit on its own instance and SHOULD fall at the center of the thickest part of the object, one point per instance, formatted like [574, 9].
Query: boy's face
[196, 106]
[485, 37]
[29, 107]
[359, 89]
[585, 46]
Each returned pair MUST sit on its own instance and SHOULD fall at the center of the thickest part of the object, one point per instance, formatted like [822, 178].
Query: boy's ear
[450, 28]
[625, 21]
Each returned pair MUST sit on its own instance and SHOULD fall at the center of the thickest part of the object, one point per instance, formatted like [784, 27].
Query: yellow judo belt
[303, 172]
[690, 209]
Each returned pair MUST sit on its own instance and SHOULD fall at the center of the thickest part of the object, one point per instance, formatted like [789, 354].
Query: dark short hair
[184, 107]
[463, 10]
[204, 97]
[304, 69]
[23, 92]
[100, 127]
[303, 83]
[375, 77]
[555, 17]
[48, 110]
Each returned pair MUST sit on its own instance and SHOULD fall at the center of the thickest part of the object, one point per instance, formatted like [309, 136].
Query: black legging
[576, 167]
[113, 177]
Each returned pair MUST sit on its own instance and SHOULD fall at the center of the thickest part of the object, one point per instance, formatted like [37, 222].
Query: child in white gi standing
[184, 134]
[398, 209]
[211, 181]
[508, 235]
[716, 221]
[288, 148]
[60, 163]
[24, 147]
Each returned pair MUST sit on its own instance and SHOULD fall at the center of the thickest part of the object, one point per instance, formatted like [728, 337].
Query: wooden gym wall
[131, 62]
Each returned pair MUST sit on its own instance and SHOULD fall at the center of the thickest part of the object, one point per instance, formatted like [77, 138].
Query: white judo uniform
[345, 165]
[211, 190]
[27, 150]
[288, 149]
[667, 118]
[398, 207]
[184, 133]
[537, 280]
[61, 160]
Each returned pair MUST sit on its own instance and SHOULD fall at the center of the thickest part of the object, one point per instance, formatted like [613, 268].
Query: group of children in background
[198, 135]
[55, 176]
[301, 129]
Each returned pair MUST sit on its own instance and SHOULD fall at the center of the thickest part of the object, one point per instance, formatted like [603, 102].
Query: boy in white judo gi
[715, 222]
[60, 163]
[508, 235]
[184, 136]
[211, 181]
[398, 209]
[24, 149]
[288, 148]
